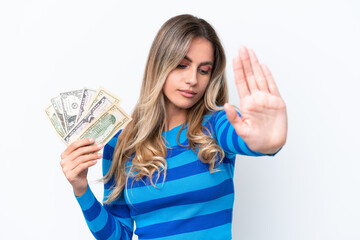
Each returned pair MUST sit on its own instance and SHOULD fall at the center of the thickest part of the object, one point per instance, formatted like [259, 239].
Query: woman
[185, 134]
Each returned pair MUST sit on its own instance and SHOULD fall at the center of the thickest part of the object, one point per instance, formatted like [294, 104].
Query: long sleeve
[227, 137]
[107, 221]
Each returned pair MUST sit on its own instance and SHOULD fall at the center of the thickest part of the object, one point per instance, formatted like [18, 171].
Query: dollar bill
[85, 113]
[85, 101]
[102, 92]
[88, 117]
[51, 114]
[71, 102]
[105, 126]
[57, 105]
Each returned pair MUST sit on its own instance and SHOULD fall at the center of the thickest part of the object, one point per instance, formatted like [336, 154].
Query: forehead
[201, 50]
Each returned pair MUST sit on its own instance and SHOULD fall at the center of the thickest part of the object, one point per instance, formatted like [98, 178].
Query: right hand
[75, 161]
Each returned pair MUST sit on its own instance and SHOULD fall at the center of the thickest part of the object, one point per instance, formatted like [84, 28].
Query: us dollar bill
[87, 95]
[71, 102]
[105, 126]
[88, 117]
[102, 92]
[52, 116]
[57, 105]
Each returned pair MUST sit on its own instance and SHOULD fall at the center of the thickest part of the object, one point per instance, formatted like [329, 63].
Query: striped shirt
[192, 203]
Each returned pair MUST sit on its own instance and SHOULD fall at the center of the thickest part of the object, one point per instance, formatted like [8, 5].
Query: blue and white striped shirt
[192, 203]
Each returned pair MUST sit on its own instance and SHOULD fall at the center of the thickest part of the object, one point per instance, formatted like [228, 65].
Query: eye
[181, 66]
[203, 72]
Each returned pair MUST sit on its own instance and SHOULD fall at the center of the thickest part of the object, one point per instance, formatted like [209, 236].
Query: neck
[175, 116]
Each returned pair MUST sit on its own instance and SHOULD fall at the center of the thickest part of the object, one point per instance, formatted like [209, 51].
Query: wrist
[272, 151]
[79, 191]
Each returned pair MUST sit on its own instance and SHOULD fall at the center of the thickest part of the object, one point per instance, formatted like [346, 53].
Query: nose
[191, 77]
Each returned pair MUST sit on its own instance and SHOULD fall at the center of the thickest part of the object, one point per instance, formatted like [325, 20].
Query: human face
[186, 84]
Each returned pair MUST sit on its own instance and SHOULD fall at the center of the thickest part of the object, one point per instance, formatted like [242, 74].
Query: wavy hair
[142, 140]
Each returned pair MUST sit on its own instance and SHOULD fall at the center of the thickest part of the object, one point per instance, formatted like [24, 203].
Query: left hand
[263, 122]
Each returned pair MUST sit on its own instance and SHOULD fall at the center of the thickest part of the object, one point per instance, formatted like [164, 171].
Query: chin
[186, 106]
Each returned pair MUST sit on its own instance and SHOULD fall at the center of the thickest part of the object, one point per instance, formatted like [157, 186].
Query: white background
[310, 190]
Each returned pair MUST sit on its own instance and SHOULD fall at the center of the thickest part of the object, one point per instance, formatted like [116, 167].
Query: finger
[71, 176]
[270, 80]
[249, 74]
[259, 75]
[234, 119]
[75, 145]
[240, 81]
[71, 165]
[84, 151]
[85, 158]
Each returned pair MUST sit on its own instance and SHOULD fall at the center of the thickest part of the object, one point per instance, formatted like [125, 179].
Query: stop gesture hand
[263, 121]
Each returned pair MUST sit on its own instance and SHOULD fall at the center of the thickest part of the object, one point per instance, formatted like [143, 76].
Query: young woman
[171, 169]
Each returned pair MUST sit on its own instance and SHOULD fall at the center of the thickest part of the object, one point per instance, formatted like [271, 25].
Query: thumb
[234, 119]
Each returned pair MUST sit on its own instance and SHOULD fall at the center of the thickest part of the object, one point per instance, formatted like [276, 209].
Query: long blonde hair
[142, 140]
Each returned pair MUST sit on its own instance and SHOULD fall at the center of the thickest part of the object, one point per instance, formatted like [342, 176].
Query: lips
[187, 93]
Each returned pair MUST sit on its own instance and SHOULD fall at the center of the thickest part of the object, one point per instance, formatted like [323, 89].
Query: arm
[263, 121]
[107, 221]
[228, 139]
[104, 221]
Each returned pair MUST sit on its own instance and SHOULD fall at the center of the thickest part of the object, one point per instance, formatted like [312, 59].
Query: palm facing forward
[263, 122]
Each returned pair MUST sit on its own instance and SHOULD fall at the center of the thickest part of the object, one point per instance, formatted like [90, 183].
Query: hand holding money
[76, 160]
[85, 120]
[86, 113]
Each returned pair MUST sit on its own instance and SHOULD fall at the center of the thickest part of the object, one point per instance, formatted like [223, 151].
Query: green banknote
[86, 113]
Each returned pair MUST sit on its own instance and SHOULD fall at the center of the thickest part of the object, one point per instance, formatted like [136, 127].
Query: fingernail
[91, 139]
[99, 154]
[100, 145]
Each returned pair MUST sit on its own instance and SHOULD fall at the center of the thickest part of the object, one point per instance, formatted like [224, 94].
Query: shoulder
[217, 115]
[214, 116]
[109, 152]
[110, 147]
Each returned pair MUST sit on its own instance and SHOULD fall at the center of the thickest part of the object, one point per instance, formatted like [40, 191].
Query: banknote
[86, 113]
[103, 92]
[105, 126]
[88, 117]
[57, 105]
[85, 100]
[51, 114]
[71, 102]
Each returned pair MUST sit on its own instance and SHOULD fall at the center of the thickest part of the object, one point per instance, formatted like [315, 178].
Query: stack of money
[85, 113]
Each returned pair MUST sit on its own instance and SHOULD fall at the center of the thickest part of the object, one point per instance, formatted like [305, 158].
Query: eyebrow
[201, 64]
